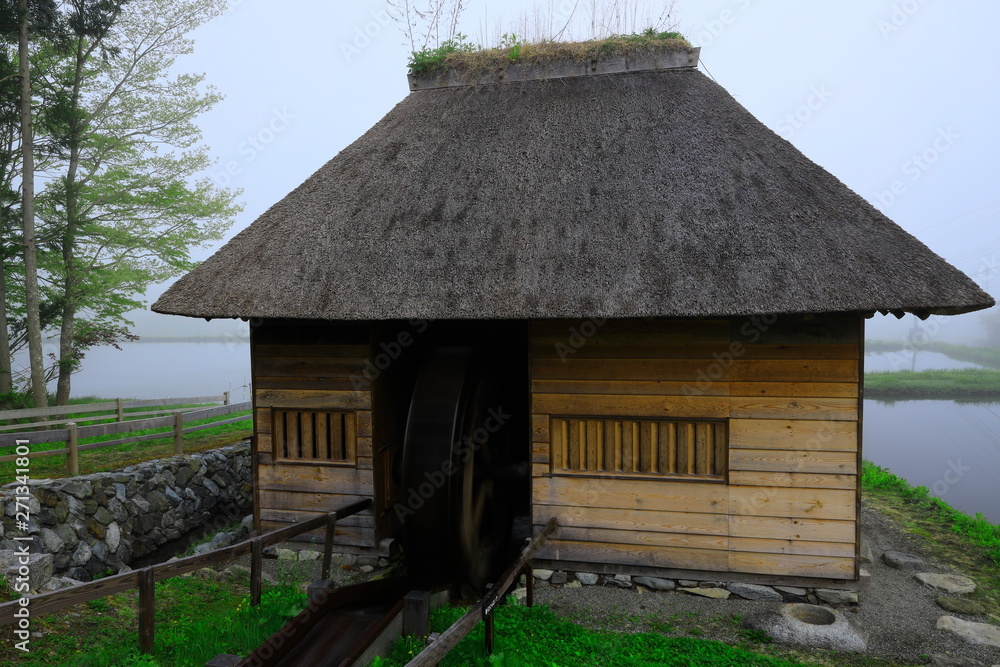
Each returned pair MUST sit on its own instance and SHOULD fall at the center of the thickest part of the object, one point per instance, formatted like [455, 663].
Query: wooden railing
[72, 433]
[483, 610]
[144, 579]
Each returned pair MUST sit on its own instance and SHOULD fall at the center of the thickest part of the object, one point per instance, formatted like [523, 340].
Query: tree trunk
[67, 363]
[6, 363]
[31, 296]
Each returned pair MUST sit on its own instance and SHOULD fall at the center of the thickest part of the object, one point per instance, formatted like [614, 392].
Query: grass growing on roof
[474, 59]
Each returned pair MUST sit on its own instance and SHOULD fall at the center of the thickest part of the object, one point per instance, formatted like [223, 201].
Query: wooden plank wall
[789, 389]
[320, 367]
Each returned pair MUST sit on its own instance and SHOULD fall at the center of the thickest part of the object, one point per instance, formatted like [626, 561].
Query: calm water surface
[951, 448]
[166, 370]
[909, 361]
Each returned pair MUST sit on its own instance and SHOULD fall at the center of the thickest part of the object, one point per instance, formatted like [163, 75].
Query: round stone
[810, 625]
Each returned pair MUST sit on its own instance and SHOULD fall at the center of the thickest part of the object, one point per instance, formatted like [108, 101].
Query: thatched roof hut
[650, 193]
[591, 238]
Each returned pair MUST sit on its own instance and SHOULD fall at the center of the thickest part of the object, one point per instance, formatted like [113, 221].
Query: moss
[471, 59]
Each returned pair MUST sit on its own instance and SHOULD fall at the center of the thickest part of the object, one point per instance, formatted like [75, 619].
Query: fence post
[73, 460]
[490, 636]
[529, 583]
[331, 523]
[226, 395]
[147, 609]
[256, 564]
[178, 433]
[121, 409]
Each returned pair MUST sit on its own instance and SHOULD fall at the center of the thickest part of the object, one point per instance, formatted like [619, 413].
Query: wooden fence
[107, 410]
[72, 432]
[144, 579]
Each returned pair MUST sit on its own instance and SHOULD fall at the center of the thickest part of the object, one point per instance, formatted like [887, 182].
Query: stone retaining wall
[94, 524]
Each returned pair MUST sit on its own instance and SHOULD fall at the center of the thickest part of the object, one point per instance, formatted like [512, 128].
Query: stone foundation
[710, 589]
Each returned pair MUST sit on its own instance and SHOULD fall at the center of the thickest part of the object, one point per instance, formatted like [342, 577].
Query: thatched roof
[639, 194]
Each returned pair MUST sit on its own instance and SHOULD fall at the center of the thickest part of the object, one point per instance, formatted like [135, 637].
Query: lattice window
[309, 435]
[660, 447]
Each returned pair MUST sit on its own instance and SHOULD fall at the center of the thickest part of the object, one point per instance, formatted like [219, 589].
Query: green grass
[196, 621]
[536, 636]
[120, 456]
[951, 384]
[977, 530]
[475, 59]
[432, 60]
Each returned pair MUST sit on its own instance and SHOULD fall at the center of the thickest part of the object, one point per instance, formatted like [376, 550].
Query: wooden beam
[417, 614]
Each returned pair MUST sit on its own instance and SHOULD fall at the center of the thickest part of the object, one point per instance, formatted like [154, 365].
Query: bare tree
[427, 24]
[580, 20]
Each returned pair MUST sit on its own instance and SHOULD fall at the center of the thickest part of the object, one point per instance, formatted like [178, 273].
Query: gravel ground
[898, 612]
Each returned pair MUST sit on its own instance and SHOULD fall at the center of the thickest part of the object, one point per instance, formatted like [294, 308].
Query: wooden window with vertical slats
[660, 447]
[309, 435]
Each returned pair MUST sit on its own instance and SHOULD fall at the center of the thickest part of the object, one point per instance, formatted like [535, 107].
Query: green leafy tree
[126, 207]
[20, 24]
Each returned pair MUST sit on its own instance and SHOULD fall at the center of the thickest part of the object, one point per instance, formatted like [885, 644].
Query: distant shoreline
[190, 339]
[959, 384]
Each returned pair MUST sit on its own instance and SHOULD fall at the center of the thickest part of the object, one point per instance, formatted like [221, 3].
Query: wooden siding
[303, 368]
[788, 391]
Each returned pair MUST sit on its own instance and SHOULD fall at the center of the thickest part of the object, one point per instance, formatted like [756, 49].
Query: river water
[166, 370]
[952, 448]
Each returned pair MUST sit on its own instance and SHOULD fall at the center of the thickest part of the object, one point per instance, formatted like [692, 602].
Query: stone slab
[902, 561]
[754, 592]
[714, 593]
[955, 584]
[975, 633]
[957, 605]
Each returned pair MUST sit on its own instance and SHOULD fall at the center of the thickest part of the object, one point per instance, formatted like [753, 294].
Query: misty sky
[899, 99]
